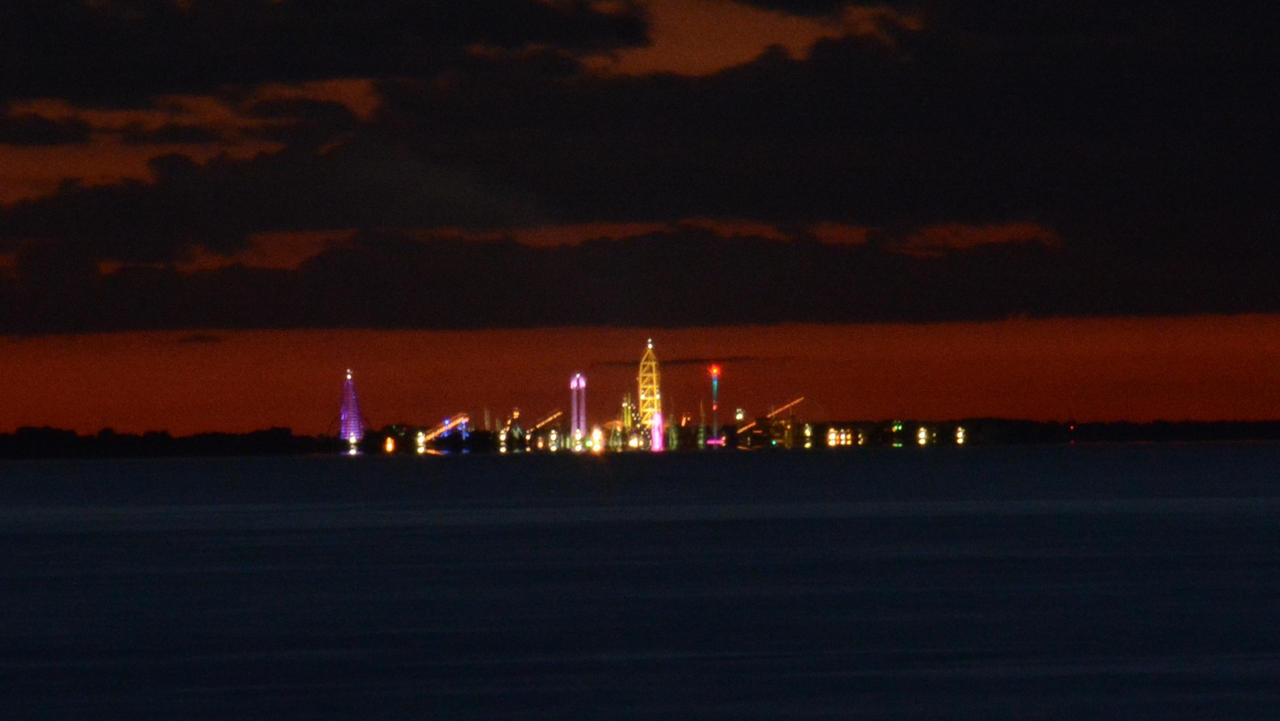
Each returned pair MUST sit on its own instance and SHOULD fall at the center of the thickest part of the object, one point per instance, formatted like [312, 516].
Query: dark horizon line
[45, 442]
[110, 431]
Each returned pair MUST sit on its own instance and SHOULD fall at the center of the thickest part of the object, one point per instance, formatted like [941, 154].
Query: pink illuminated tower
[350, 423]
[578, 408]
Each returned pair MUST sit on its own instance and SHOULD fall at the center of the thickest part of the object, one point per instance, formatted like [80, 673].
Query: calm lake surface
[1110, 582]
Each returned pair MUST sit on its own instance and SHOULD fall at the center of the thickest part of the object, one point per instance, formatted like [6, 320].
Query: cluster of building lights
[554, 442]
[841, 437]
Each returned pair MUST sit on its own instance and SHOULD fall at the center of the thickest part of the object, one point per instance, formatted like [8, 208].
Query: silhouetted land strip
[47, 442]
[59, 443]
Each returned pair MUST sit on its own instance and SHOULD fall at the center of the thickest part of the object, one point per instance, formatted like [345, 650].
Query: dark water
[1064, 583]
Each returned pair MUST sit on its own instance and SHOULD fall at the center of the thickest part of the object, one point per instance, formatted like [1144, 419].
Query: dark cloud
[1086, 134]
[32, 129]
[1004, 159]
[802, 7]
[319, 111]
[170, 133]
[369, 183]
[685, 277]
[134, 221]
[301, 122]
[122, 50]
[1147, 21]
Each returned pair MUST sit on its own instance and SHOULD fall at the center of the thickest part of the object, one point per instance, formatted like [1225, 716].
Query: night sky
[209, 209]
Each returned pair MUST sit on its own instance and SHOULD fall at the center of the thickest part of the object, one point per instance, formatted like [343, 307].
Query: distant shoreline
[45, 442]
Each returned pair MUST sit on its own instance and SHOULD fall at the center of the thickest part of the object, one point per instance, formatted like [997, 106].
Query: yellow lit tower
[650, 397]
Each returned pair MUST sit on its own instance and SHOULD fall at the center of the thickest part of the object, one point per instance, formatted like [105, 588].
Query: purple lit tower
[578, 408]
[350, 424]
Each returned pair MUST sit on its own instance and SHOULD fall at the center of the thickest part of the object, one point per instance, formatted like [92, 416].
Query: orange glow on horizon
[1197, 368]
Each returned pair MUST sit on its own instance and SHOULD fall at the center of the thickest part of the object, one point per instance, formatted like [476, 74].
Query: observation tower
[578, 410]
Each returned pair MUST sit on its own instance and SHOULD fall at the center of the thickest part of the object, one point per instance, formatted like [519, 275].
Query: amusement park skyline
[210, 210]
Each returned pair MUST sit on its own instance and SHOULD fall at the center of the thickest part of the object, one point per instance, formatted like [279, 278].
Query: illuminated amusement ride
[650, 398]
[350, 422]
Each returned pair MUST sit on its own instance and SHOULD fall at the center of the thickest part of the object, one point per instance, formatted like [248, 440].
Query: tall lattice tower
[350, 422]
[650, 394]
